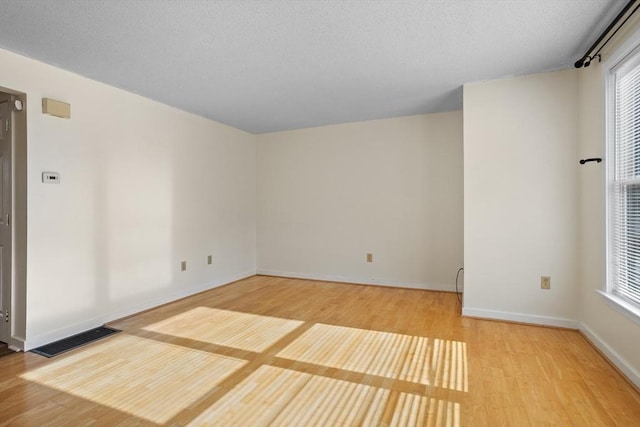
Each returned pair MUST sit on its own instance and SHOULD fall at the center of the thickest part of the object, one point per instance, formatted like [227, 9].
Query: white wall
[520, 198]
[143, 187]
[617, 335]
[329, 195]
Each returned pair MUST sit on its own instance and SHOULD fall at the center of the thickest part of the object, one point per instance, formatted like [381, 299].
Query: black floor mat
[74, 341]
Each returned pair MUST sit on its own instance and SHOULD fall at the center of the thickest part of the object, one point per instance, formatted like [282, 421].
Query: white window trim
[621, 306]
[628, 47]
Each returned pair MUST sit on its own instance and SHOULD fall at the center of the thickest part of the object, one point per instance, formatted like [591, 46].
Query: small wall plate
[51, 177]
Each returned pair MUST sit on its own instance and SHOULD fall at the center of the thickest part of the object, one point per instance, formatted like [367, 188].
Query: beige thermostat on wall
[56, 108]
[50, 177]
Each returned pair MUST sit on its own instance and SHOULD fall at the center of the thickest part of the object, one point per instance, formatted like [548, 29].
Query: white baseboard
[520, 318]
[51, 336]
[16, 344]
[359, 280]
[629, 371]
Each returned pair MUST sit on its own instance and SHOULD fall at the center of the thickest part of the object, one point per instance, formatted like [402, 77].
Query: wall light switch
[51, 177]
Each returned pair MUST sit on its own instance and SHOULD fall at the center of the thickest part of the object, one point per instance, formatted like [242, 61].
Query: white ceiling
[268, 65]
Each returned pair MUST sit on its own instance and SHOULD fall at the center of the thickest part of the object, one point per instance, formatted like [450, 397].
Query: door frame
[18, 222]
[6, 179]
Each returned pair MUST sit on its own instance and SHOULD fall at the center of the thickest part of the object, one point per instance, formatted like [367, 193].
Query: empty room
[320, 213]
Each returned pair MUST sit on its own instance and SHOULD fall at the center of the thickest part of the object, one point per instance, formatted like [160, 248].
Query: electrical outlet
[209, 259]
[369, 257]
[545, 282]
[183, 266]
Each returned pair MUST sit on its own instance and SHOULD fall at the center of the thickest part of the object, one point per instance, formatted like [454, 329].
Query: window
[623, 263]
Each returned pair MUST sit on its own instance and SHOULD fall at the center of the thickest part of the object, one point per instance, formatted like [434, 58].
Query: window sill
[621, 306]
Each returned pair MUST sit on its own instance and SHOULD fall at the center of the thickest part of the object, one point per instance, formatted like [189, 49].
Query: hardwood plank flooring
[4, 349]
[286, 352]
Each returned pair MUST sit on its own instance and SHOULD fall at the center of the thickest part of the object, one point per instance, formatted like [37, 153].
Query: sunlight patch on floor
[280, 397]
[142, 377]
[244, 331]
[429, 361]
[415, 410]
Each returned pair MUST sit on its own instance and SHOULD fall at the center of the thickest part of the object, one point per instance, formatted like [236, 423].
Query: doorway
[6, 131]
[12, 232]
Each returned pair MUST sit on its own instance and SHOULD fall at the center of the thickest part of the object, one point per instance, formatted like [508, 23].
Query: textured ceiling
[272, 65]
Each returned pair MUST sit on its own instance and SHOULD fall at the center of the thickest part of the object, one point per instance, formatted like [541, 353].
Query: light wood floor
[273, 351]
[4, 349]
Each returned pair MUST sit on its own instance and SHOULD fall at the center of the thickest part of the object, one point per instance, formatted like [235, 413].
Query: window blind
[624, 185]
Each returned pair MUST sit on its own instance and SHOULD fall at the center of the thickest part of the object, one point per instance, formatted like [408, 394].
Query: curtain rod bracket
[587, 61]
[593, 159]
